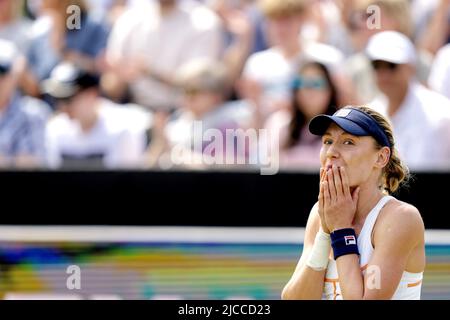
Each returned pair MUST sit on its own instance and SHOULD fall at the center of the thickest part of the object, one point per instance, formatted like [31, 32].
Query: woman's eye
[348, 142]
[327, 142]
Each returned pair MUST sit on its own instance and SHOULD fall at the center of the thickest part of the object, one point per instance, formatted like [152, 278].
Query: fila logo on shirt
[349, 240]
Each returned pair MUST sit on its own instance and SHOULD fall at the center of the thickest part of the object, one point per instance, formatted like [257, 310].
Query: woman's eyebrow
[350, 135]
[343, 134]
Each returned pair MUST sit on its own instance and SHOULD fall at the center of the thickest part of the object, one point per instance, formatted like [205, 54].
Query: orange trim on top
[334, 282]
[335, 294]
[415, 284]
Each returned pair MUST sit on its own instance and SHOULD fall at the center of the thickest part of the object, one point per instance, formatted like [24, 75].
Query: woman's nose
[332, 151]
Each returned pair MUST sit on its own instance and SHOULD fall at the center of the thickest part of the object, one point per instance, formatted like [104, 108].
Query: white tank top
[410, 284]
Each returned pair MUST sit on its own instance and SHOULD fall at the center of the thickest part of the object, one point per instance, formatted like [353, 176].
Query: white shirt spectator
[117, 140]
[187, 33]
[421, 13]
[274, 73]
[440, 72]
[18, 32]
[421, 128]
[230, 115]
[185, 132]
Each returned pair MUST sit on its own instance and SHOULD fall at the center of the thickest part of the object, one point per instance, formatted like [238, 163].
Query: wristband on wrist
[344, 242]
[320, 252]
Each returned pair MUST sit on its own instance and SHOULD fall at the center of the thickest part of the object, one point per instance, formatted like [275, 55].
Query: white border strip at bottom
[230, 235]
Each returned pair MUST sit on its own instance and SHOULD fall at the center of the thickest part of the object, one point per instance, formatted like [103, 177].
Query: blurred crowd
[149, 83]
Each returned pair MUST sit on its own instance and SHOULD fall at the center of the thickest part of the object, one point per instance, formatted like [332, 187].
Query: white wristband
[320, 253]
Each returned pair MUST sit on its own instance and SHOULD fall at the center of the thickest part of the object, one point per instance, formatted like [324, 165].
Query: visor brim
[319, 125]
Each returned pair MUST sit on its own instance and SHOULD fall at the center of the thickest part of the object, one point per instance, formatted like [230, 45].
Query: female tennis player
[360, 242]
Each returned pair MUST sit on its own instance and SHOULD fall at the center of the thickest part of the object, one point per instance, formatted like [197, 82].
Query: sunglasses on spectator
[378, 65]
[4, 69]
[310, 83]
[65, 101]
[195, 91]
[192, 91]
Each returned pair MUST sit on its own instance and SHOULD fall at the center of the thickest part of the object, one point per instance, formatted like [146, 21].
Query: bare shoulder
[400, 219]
[403, 212]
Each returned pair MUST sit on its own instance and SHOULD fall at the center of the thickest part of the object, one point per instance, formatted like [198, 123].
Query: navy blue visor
[353, 121]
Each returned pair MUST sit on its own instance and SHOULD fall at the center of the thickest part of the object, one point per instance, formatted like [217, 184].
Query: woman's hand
[321, 201]
[339, 204]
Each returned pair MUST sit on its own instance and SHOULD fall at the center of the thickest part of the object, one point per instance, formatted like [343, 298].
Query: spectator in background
[13, 26]
[420, 117]
[84, 46]
[394, 15]
[438, 27]
[150, 42]
[91, 132]
[267, 74]
[328, 18]
[237, 8]
[22, 119]
[100, 8]
[204, 85]
[240, 32]
[422, 11]
[439, 79]
[109, 10]
[314, 93]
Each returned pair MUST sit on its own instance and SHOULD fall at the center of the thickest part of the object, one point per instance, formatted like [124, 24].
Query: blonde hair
[395, 173]
[203, 73]
[282, 8]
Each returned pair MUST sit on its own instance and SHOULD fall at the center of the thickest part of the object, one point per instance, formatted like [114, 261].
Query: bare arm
[396, 235]
[438, 28]
[306, 283]
[398, 231]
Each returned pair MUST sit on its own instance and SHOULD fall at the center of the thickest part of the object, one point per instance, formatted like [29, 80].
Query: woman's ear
[384, 155]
